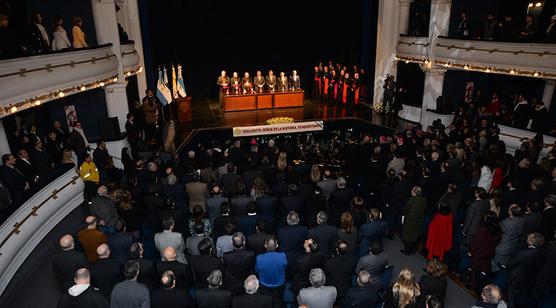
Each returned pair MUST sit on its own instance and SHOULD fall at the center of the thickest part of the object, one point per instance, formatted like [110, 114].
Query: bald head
[91, 222]
[103, 251]
[363, 278]
[169, 253]
[66, 242]
[82, 276]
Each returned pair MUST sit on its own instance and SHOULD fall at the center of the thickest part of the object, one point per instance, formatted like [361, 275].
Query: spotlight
[115, 79]
[406, 61]
[466, 67]
[83, 88]
[487, 70]
[530, 5]
[536, 74]
[539, 4]
[37, 102]
[61, 94]
[512, 71]
[13, 109]
[101, 84]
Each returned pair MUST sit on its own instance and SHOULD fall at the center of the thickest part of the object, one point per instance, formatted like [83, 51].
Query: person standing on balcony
[550, 33]
[60, 36]
[463, 26]
[529, 29]
[78, 143]
[14, 180]
[38, 39]
[79, 37]
[507, 29]
[490, 29]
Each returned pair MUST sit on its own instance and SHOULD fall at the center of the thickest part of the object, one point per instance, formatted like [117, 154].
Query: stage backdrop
[210, 35]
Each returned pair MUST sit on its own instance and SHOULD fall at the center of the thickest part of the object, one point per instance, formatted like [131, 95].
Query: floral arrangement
[279, 120]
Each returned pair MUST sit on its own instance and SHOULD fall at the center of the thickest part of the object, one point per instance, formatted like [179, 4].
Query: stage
[208, 113]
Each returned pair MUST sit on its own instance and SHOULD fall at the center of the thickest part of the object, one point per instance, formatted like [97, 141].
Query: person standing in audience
[482, 250]
[252, 298]
[78, 142]
[363, 294]
[374, 263]
[14, 180]
[54, 148]
[324, 234]
[512, 230]
[463, 27]
[507, 29]
[60, 39]
[475, 214]
[90, 238]
[204, 263]
[548, 220]
[490, 28]
[184, 278]
[347, 230]
[170, 297]
[339, 269]
[82, 293]
[104, 209]
[434, 283]
[405, 292]
[66, 261]
[147, 268]
[413, 216]
[271, 269]
[439, 238]
[130, 293]
[26, 167]
[214, 296]
[238, 264]
[79, 37]
[41, 161]
[169, 238]
[491, 296]
[292, 237]
[120, 242]
[317, 295]
[90, 175]
[105, 272]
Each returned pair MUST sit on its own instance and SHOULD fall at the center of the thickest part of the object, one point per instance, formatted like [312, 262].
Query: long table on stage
[265, 100]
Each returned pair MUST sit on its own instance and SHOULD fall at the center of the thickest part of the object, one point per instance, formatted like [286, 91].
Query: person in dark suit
[251, 298]
[133, 135]
[362, 294]
[147, 268]
[130, 293]
[396, 197]
[238, 264]
[26, 167]
[42, 162]
[514, 195]
[247, 225]
[372, 231]
[100, 155]
[228, 180]
[523, 268]
[324, 234]
[548, 221]
[225, 218]
[255, 242]
[203, 264]
[78, 143]
[82, 293]
[453, 197]
[292, 202]
[434, 282]
[292, 237]
[120, 242]
[214, 296]
[310, 259]
[66, 261]
[62, 135]
[170, 297]
[340, 200]
[184, 279]
[339, 269]
[105, 272]
[14, 180]
[475, 214]
[53, 148]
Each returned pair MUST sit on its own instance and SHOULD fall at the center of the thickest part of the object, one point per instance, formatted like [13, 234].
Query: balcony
[29, 81]
[526, 59]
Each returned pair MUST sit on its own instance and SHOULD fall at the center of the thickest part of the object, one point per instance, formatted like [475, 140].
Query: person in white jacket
[60, 40]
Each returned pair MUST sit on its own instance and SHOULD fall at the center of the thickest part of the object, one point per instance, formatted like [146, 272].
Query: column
[405, 6]
[116, 102]
[4, 145]
[434, 81]
[133, 27]
[548, 93]
[440, 18]
[386, 42]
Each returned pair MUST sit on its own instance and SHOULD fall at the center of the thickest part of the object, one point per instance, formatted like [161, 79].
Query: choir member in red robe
[333, 87]
[355, 89]
[341, 80]
[235, 81]
[439, 239]
[325, 82]
[346, 89]
[317, 82]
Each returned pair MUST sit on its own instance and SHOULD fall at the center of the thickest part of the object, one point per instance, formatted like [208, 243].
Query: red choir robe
[355, 89]
[333, 87]
[439, 239]
[326, 79]
[317, 84]
[345, 90]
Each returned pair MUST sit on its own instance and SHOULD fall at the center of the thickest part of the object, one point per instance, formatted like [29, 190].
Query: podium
[184, 109]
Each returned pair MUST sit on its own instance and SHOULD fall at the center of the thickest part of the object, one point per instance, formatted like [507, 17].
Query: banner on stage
[259, 130]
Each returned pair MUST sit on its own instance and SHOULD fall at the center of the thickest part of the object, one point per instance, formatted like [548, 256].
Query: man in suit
[24, 165]
[213, 203]
[228, 180]
[271, 269]
[204, 263]
[225, 218]
[42, 162]
[453, 198]
[130, 293]
[292, 237]
[104, 209]
[184, 278]
[100, 155]
[78, 143]
[82, 293]
[214, 296]
[14, 180]
[251, 298]
[292, 202]
[90, 238]
[523, 268]
[374, 263]
[105, 272]
[340, 200]
[239, 264]
[247, 225]
[475, 214]
[317, 295]
[324, 234]
[396, 197]
[120, 242]
[374, 230]
[169, 296]
[197, 192]
[339, 269]
[267, 206]
[327, 184]
[193, 241]
[311, 258]
[514, 195]
[255, 242]
[133, 135]
[169, 238]
[53, 148]
[147, 268]
[362, 294]
[66, 261]
[548, 220]
[5, 202]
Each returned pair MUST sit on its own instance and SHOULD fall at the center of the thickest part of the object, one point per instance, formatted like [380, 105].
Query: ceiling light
[37, 102]
[83, 88]
[512, 71]
[530, 5]
[539, 4]
[487, 70]
[536, 74]
[466, 67]
[101, 84]
[61, 94]
[13, 109]
[115, 79]
[129, 73]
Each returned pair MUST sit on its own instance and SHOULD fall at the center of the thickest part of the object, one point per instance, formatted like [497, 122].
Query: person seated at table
[236, 82]
[283, 82]
[259, 82]
[271, 81]
[247, 84]
[223, 82]
[295, 81]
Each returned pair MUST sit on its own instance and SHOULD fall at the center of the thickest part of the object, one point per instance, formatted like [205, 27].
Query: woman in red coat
[439, 239]
[482, 249]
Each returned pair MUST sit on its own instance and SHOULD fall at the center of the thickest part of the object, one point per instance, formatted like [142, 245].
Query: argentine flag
[162, 91]
[181, 85]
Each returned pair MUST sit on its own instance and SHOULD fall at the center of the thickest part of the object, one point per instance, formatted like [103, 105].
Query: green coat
[414, 214]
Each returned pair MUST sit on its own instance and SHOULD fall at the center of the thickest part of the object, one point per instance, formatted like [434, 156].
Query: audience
[82, 293]
[317, 295]
[130, 293]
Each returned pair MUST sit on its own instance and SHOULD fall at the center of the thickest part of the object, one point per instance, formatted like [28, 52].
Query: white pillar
[116, 102]
[106, 27]
[440, 18]
[548, 93]
[434, 81]
[405, 6]
[4, 145]
[387, 40]
[133, 28]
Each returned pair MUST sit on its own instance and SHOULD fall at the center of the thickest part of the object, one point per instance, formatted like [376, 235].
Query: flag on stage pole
[174, 87]
[181, 85]
[162, 91]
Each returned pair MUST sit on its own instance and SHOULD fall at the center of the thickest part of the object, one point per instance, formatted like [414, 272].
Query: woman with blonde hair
[259, 188]
[282, 161]
[79, 37]
[348, 232]
[404, 293]
[315, 174]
